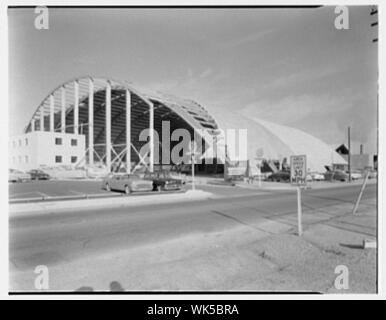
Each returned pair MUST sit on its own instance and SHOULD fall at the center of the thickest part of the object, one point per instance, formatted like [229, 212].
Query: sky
[289, 66]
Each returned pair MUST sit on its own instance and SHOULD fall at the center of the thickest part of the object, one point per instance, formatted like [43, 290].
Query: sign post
[192, 152]
[259, 158]
[299, 179]
[300, 227]
[360, 193]
[259, 172]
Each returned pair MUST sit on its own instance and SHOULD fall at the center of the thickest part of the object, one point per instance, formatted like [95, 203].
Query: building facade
[43, 148]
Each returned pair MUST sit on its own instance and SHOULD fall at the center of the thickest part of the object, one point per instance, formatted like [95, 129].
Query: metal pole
[52, 106]
[76, 107]
[90, 122]
[42, 118]
[300, 229]
[226, 163]
[360, 193]
[108, 126]
[193, 152]
[128, 131]
[151, 132]
[63, 108]
[349, 155]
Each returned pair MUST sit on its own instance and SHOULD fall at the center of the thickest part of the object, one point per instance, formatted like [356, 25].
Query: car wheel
[108, 187]
[127, 190]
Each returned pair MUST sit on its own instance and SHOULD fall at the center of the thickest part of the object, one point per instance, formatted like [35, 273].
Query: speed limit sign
[298, 169]
[299, 178]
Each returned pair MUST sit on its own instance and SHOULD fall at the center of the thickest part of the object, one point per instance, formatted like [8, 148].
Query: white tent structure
[272, 141]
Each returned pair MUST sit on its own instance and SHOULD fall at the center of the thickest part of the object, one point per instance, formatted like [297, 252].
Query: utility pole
[375, 23]
[349, 155]
[226, 164]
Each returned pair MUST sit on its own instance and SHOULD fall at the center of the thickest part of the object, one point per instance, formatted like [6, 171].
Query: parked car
[317, 176]
[18, 176]
[338, 175]
[279, 176]
[373, 174]
[186, 168]
[127, 183]
[37, 174]
[179, 176]
[96, 171]
[162, 180]
[356, 175]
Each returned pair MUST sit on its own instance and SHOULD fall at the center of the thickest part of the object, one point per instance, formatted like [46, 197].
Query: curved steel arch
[117, 84]
[191, 113]
[171, 102]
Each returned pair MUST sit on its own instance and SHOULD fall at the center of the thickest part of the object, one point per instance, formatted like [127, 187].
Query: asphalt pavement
[56, 240]
[79, 188]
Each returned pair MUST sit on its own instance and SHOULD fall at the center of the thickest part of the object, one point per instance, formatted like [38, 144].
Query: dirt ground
[268, 256]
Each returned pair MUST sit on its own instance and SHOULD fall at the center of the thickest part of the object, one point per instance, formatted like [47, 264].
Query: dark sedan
[37, 174]
[279, 176]
[162, 180]
[338, 175]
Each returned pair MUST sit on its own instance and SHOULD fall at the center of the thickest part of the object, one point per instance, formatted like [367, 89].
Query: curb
[65, 197]
[289, 187]
[41, 208]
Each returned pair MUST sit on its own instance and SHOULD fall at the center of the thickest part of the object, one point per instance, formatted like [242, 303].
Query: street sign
[298, 170]
[259, 153]
[299, 178]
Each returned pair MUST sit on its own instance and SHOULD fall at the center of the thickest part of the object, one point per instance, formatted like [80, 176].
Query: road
[78, 188]
[56, 239]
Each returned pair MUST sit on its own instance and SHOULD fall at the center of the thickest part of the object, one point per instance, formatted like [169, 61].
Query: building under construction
[89, 120]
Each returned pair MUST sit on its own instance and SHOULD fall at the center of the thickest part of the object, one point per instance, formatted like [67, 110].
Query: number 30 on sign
[298, 169]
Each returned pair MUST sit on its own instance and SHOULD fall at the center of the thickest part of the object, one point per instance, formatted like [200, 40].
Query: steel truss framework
[111, 114]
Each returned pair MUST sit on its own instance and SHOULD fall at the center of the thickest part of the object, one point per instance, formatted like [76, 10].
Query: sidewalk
[27, 209]
[267, 185]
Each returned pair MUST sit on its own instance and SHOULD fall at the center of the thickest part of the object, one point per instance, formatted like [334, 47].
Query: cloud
[324, 116]
[300, 77]
[206, 73]
[294, 108]
[250, 38]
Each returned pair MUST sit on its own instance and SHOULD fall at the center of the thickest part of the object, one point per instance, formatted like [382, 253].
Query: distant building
[42, 148]
[359, 161]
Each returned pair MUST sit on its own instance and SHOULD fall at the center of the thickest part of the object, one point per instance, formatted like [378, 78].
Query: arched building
[94, 119]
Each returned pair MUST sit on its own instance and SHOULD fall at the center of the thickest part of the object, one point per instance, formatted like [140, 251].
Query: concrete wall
[34, 149]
